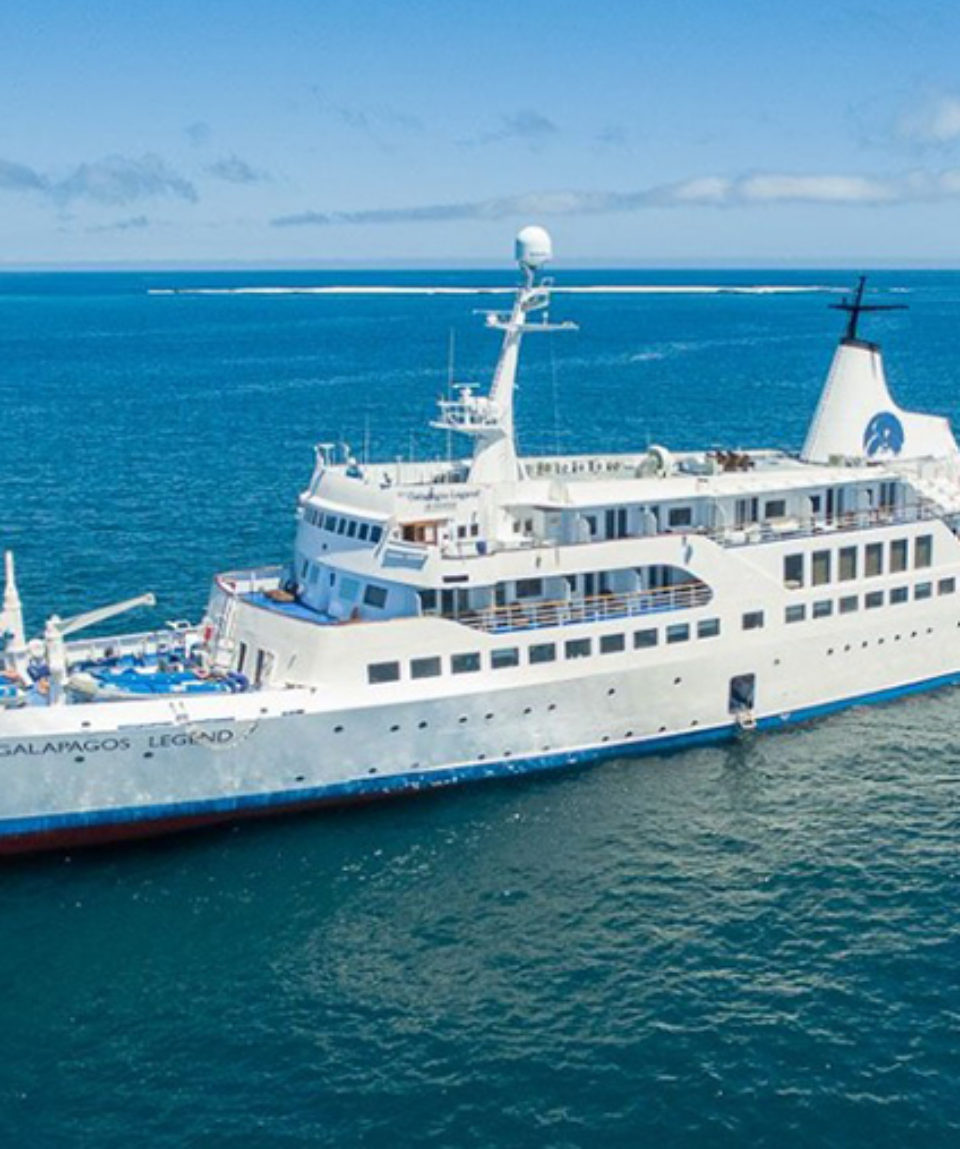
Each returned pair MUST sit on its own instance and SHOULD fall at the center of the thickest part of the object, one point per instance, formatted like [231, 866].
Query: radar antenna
[854, 306]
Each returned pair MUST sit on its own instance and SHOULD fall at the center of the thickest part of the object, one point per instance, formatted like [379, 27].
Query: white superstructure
[446, 621]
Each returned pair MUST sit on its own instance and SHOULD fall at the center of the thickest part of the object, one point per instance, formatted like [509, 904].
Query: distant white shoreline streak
[612, 289]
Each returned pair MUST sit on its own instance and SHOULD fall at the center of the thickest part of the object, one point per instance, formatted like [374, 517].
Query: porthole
[80, 759]
[913, 634]
[662, 730]
[605, 738]
[929, 630]
[338, 729]
[487, 717]
[552, 706]
[629, 734]
[86, 725]
[422, 724]
[462, 719]
[508, 753]
[263, 710]
[695, 722]
[528, 710]
[481, 757]
[830, 651]
[612, 690]
[677, 681]
[846, 649]
[372, 770]
[394, 729]
[299, 778]
[864, 645]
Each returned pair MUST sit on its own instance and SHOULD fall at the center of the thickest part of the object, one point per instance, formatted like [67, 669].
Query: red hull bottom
[79, 837]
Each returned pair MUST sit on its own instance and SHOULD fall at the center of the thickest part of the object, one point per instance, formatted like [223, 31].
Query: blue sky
[648, 132]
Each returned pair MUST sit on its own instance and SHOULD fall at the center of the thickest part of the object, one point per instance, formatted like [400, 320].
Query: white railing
[535, 615]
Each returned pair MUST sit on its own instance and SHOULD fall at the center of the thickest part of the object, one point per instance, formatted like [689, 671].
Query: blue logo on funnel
[884, 435]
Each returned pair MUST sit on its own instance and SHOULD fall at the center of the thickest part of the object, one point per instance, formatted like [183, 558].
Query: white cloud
[756, 189]
[936, 122]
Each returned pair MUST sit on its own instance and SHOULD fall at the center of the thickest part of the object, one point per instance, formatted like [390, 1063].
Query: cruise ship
[494, 614]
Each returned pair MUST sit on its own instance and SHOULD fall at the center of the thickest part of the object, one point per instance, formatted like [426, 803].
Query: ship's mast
[489, 418]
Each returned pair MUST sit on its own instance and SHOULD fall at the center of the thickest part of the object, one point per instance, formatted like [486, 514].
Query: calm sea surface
[747, 946]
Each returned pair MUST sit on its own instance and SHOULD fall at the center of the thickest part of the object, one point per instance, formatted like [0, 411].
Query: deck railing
[535, 615]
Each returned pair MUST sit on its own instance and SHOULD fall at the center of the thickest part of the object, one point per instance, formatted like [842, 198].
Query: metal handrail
[536, 615]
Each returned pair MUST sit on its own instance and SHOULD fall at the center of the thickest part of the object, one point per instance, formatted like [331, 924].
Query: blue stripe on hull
[209, 809]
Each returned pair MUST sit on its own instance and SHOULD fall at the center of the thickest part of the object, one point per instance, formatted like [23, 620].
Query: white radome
[534, 247]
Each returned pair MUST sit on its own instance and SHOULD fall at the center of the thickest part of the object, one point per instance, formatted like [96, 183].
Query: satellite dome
[533, 247]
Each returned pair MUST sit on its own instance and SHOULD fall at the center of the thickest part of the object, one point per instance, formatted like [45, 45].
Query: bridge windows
[899, 594]
[644, 638]
[680, 517]
[577, 648]
[923, 590]
[753, 620]
[542, 652]
[820, 568]
[898, 555]
[379, 672]
[612, 643]
[507, 656]
[873, 560]
[465, 663]
[823, 608]
[923, 551]
[947, 586]
[708, 628]
[849, 604]
[679, 632]
[795, 613]
[793, 570]
[847, 563]
[873, 599]
[425, 667]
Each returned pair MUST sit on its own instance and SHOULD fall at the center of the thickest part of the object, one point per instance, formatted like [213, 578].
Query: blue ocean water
[752, 945]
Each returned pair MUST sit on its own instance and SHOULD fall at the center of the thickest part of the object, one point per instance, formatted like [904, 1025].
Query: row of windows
[871, 600]
[844, 564]
[340, 525]
[541, 652]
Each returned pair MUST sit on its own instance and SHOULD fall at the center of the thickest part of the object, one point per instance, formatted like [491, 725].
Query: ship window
[947, 586]
[465, 663]
[820, 573]
[873, 599]
[612, 643]
[680, 516]
[643, 638]
[341, 526]
[923, 551]
[847, 564]
[822, 609]
[376, 533]
[795, 613]
[708, 628]
[241, 657]
[679, 632]
[577, 648]
[753, 620]
[793, 570]
[304, 568]
[898, 555]
[425, 667]
[873, 559]
[529, 587]
[352, 529]
[363, 531]
[375, 596]
[507, 656]
[543, 652]
[849, 604]
[923, 590]
[775, 509]
[899, 594]
[330, 523]
[383, 672]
